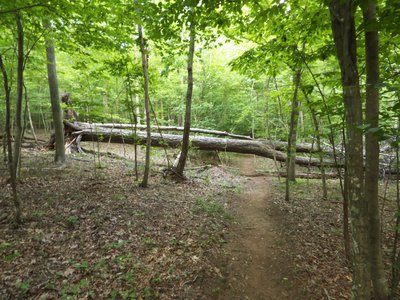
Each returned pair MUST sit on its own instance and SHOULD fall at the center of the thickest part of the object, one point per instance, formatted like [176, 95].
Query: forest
[200, 149]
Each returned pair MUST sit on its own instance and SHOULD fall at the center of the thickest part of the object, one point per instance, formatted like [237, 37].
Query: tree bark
[344, 34]
[17, 203]
[278, 145]
[59, 157]
[20, 86]
[292, 138]
[186, 132]
[145, 180]
[319, 148]
[168, 128]
[256, 147]
[379, 283]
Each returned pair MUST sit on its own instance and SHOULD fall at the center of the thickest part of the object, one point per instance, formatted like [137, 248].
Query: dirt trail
[257, 268]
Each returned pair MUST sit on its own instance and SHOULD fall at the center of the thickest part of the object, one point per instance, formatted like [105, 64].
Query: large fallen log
[277, 145]
[298, 175]
[162, 128]
[255, 147]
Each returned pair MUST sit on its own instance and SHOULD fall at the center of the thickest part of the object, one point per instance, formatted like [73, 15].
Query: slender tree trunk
[17, 204]
[59, 157]
[395, 256]
[319, 148]
[291, 151]
[379, 283]
[145, 180]
[346, 204]
[135, 118]
[344, 34]
[20, 86]
[343, 187]
[5, 144]
[253, 113]
[186, 131]
[278, 99]
[31, 122]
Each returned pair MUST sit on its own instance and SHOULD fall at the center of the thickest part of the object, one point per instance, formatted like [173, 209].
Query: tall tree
[55, 97]
[344, 34]
[372, 149]
[10, 158]
[145, 180]
[20, 87]
[292, 136]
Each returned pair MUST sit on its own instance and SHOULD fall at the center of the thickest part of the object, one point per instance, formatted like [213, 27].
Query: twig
[327, 295]
[191, 281]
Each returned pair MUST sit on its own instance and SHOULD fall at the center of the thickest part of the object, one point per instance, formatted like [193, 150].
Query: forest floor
[90, 232]
[255, 267]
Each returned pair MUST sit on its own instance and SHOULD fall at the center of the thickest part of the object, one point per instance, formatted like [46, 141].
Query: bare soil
[254, 264]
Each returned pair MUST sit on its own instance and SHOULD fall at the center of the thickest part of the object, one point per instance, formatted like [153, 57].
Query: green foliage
[212, 208]
[245, 58]
[72, 221]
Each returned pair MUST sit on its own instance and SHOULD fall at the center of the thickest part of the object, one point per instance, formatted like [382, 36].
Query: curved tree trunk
[186, 132]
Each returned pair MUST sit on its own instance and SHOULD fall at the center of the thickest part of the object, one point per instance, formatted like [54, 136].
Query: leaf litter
[92, 233]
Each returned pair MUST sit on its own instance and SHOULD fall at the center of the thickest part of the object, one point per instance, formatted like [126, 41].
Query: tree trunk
[277, 145]
[59, 157]
[379, 283]
[319, 150]
[31, 123]
[395, 255]
[147, 108]
[344, 34]
[176, 128]
[17, 203]
[186, 132]
[20, 86]
[134, 120]
[256, 147]
[291, 150]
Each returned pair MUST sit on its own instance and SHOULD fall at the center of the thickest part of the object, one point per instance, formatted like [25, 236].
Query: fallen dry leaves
[92, 233]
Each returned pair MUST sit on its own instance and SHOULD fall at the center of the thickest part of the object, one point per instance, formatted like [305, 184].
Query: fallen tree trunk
[161, 128]
[298, 175]
[255, 147]
[277, 145]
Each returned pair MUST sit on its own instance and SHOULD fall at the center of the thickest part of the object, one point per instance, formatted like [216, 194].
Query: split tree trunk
[59, 157]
